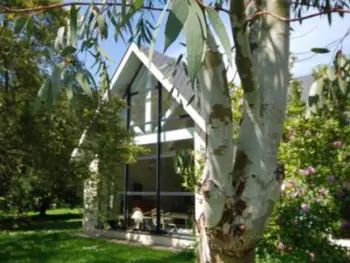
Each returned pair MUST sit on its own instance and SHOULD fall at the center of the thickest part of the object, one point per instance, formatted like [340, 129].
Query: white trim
[136, 129]
[167, 114]
[166, 84]
[167, 136]
[156, 241]
[131, 193]
[148, 111]
[121, 66]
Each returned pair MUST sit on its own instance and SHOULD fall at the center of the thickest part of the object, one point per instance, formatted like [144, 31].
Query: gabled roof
[172, 77]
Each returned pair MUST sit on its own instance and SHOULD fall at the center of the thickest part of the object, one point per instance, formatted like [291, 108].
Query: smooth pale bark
[234, 203]
[216, 180]
[90, 218]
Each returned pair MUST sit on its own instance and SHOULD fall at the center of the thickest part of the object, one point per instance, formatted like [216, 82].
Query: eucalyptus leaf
[20, 23]
[102, 26]
[103, 53]
[221, 32]
[69, 91]
[330, 74]
[42, 95]
[320, 50]
[91, 79]
[176, 20]
[30, 27]
[59, 42]
[83, 82]
[73, 25]
[56, 80]
[195, 33]
[341, 85]
[315, 97]
[68, 51]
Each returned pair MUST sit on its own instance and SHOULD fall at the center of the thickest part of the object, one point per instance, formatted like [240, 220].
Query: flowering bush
[316, 153]
[314, 203]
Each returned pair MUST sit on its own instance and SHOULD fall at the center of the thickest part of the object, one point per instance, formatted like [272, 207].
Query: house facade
[146, 202]
[164, 117]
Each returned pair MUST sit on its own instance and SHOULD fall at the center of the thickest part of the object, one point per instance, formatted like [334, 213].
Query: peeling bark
[216, 181]
[234, 202]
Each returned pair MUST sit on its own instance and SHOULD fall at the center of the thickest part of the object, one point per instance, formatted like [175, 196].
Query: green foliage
[35, 148]
[237, 108]
[330, 84]
[189, 165]
[177, 17]
[315, 151]
[35, 153]
[220, 30]
[108, 139]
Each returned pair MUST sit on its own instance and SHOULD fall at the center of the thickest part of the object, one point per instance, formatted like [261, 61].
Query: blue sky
[314, 32]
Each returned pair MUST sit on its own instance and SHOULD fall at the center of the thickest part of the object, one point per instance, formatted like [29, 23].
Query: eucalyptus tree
[236, 191]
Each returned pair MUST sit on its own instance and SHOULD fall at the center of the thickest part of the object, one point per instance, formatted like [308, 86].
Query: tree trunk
[44, 205]
[90, 218]
[234, 202]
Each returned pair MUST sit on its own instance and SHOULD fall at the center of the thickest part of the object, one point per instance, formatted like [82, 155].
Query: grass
[51, 240]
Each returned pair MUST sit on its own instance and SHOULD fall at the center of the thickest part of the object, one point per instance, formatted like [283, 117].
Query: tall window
[152, 185]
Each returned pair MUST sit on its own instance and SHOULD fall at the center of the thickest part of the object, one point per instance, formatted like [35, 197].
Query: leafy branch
[41, 9]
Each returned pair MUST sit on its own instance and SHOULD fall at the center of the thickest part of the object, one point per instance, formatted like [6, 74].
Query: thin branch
[6, 9]
[331, 10]
[41, 9]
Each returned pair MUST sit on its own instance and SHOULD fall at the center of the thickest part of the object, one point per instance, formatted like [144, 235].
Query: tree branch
[41, 9]
[6, 9]
[331, 10]
[244, 61]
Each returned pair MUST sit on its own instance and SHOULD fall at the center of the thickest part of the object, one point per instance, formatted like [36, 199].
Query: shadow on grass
[68, 221]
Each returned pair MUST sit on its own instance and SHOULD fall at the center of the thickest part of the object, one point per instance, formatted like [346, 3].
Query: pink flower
[312, 256]
[305, 207]
[281, 246]
[300, 191]
[294, 182]
[309, 170]
[323, 190]
[338, 144]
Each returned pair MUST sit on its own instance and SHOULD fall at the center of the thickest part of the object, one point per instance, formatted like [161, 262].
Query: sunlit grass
[52, 240]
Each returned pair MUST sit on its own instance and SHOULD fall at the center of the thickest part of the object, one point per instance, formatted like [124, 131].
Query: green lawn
[51, 240]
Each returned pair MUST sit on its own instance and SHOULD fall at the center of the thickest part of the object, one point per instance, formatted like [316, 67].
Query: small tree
[108, 139]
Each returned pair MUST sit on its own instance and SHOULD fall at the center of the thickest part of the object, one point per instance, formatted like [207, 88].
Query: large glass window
[154, 175]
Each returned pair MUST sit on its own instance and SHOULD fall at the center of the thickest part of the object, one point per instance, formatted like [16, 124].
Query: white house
[164, 116]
